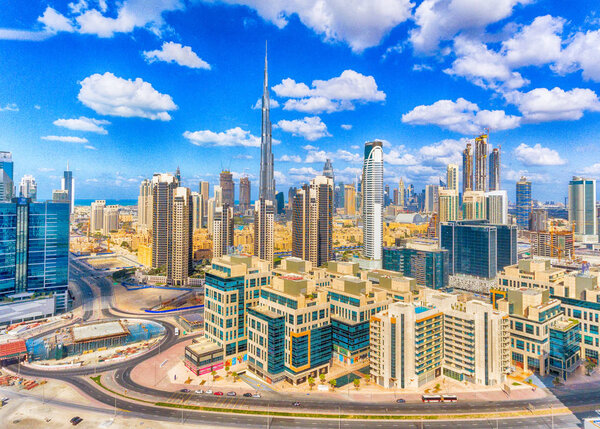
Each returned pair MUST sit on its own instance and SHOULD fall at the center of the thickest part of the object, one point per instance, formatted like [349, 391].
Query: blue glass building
[428, 267]
[6, 176]
[565, 338]
[34, 250]
[523, 203]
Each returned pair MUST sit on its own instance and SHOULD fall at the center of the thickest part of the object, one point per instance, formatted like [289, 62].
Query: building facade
[244, 193]
[582, 209]
[264, 219]
[427, 264]
[28, 187]
[372, 201]
[523, 203]
[222, 230]
[227, 187]
[7, 184]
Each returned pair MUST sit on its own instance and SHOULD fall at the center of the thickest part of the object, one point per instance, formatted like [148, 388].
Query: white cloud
[280, 178]
[303, 174]
[65, 139]
[243, 156]
[33, 36]
[538, 155]
[232, 137]
[273, 104]
[79, 7]
[311, 127]
[441, 20]
[397, 157]
[513, 176]
[290, 158]
[55, 22]
[108, 94]
[45, 169]
[37, 107]
[422, 67]
[444, 152]
[316, 156]
[309, 147]
[461, 116]
[335, 94]
[361, 24]
[592, 170]
[11, 107]
[83, 124]
[346, 126]
[541, 104]
[90, 147]
[176, 53]
[582, 53]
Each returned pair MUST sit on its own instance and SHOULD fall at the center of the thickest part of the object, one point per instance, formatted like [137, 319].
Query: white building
[497, 207]
[372, 193]
[28, 187]
[110, 219]
[97, 216]
[582, 209]
[145, 205]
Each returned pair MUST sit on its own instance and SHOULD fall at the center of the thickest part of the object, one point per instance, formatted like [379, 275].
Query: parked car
[296, 404]
[256, 395]
[199, 391]
[76, 420]
[400, 401]
[218, 393]
[208, 392]
[231, 393]
[247, 395]
[184, 390]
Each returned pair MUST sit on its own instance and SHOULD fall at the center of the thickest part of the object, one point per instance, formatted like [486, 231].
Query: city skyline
[203, 94]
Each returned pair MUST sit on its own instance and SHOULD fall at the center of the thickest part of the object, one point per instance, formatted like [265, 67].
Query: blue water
[421, 309]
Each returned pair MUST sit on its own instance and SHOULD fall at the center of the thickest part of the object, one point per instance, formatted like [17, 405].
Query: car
[231, 393]
[199, 391]
[400, 401]
[296, 404]
[208, 392]
[247, 395]
[76, 420]
[185, 390]
[4, 400]
[256, 395]
[218, 393]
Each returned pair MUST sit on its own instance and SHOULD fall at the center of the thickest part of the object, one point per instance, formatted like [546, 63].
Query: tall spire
[267, 182]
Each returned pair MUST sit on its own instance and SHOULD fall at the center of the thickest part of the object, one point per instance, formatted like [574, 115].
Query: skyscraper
[264, 218]
[495, 169]
[222, 230]
[474, 205]
[178, 175]
[267, 180]
[97, 216]
[6, 176]
[60, 196]
[244, 193]
[372, 193]
[401, 193]
[197, 210]
[538, 221]
[328, 170]
[163, 187]
[582, 209]
[110, 219]
[28, 187]
[204, 189]
[497, 207]
[448, 203]
[227, 187]
[481, 163]
[145, 205]
[68, 184]
[179, 265]
[468, 168]
[432, 197]
[452, 177]
[350, 200]
[312, 221]
[279, 203]
[523, 203]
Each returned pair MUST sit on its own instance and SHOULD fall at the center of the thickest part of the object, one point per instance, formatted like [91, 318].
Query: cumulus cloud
[232, 137]
[542, 104]
[399, 157]
[310, 127]
[336, 94]
[55, 22]
[83, 124]
[582, 53]
[176, 53]
[441, 20]
[538, 155]
[592, 170]
[290, 158]
[65, 139]
[11, 107]
[461, 116]
[346, 126]
[108, 94]
[360, 24]
[445, 152]
[273, 104]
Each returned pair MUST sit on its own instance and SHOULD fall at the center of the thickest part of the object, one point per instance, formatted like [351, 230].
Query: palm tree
[556, 381]
[322, 378]
[357, 382]
[367, 378]
[333, 383]
[589, 366]
[311, 382]
[214, 375]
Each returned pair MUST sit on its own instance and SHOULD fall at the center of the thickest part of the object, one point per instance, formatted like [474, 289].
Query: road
[82, 276]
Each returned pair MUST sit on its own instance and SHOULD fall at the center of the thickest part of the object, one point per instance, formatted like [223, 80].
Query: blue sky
[125, 89]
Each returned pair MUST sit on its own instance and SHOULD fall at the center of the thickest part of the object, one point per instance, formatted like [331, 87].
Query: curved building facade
[372, 189]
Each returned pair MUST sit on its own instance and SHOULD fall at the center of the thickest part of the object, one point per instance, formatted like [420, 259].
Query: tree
[234, 375]
[589, 366]
[357, 383]
[333, 383]
[311, 382]
[367, 378]
[214, 374]
[227, 368]
[556, 381]
[322, 378]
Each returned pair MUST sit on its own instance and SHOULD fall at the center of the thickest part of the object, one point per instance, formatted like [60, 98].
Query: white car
[208, 392]
[199, 391]
[256, 395]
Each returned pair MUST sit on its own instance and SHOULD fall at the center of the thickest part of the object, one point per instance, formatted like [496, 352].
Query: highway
[82, 275]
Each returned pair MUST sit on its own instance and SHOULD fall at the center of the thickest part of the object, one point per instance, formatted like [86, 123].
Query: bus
[449, 398]
[431, 398]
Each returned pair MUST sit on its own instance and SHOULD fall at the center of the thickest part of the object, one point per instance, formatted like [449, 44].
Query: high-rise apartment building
[145, 205]
[432, 198]
[267, 178]
[425, 262]
[452, 177]
[210, 215]
[312, 221]
[524, 203]
[68, 184]
[350, 200]
[481, 163]
[180, 266]
[401, 193]
[227, 187]
[222, 231]
[204, 189]
[497, 207]
[60, 196]
[474, 205]
[7, 184]
[468, 169]
[197, 211]
[110, 219]
[538, 220]
[163, 187]
[244, 193]
[372, 195]
[448, 204]
[495, 169]
[28, 187]
[279, 203]
[582, 209]
[264, 219]
[97, 216]
[35, 250]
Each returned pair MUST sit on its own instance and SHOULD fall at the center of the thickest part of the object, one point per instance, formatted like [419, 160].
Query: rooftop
[98, 330]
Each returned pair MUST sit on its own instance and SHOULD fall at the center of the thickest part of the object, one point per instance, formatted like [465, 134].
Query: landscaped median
[462, 416]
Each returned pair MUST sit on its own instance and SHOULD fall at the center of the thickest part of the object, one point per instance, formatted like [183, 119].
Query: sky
[122, 90]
